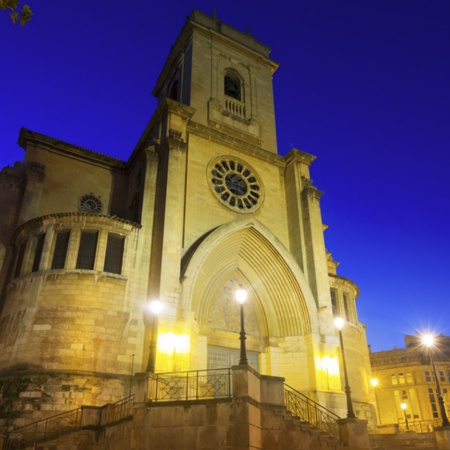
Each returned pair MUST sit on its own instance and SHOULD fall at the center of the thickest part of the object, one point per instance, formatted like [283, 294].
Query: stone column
[354, 433]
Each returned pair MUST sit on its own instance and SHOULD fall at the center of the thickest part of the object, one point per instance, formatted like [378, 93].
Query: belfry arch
[246, 254]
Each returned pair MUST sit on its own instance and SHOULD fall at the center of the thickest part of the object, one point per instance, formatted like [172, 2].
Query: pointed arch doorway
[280, 313]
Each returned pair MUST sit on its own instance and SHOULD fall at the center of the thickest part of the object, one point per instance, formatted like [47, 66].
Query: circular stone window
[89, 203]
[235, 184]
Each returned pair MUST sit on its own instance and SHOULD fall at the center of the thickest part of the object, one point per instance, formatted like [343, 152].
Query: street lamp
[428, 341]
[154, 307]
[241, 296]
[404, 406]
[339, 324]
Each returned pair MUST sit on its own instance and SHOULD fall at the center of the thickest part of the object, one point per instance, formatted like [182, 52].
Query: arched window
[232, 86]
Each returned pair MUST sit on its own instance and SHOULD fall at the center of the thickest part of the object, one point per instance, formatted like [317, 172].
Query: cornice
[296, 155]
[218, 137]
[345, 281]
[37, 221]
[69, 150]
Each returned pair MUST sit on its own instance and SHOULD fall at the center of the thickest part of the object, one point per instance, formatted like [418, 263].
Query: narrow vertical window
[60, 252]
[19, 261]
[86, 252]
[114, 254]
[347, 306]
[39, 245]
[334, 306]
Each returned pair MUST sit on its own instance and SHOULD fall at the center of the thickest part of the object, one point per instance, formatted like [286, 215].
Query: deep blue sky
[363, 85]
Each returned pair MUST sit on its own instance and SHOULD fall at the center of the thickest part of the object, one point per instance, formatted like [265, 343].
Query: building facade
[203, 206]
[407, 376]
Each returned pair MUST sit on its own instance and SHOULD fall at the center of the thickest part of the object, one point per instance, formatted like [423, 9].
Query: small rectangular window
[394, 379]
[427, 376]
[114, 254]
[431, 395]
[442, 376]
[19, 261]
[39, 245]
[87, 250]
[60, 252]
[401, 378]
[409, 378]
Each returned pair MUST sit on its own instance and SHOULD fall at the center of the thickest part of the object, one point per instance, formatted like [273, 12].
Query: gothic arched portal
[280, 307]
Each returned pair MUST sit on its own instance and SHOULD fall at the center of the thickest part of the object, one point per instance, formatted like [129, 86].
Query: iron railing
[28, 435]
[121, 410]
[66, 422]
[310, 411]
[192, 385]
[422, 426]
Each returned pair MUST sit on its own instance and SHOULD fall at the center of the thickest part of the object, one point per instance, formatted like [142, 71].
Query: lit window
[87, 250]
[114, 254]
[394, 379]
[409, 378]
[401, 378]
[60, 252]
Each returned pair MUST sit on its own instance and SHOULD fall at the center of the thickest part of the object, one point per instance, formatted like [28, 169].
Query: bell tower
[226, 76]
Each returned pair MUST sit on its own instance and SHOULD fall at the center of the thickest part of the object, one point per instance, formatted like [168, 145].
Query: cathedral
[203, 207]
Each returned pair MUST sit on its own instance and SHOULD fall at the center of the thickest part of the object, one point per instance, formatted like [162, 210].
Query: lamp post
[241, 296]
[154, 308]
[339, 323]
[428, 341]
[404, 406]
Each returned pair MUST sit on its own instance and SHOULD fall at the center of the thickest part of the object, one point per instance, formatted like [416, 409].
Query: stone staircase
[304, 431]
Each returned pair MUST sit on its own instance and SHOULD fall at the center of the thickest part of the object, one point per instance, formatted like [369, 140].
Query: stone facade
[203, 206]
[406, 376]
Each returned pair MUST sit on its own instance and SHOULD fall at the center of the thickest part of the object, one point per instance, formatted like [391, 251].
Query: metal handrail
[307, 410]
[420, 426]
[123, 409]
[44, 429]
[192, 385]
[62, 423]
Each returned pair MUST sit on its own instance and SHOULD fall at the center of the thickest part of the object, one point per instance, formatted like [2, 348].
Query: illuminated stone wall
[204, 205]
